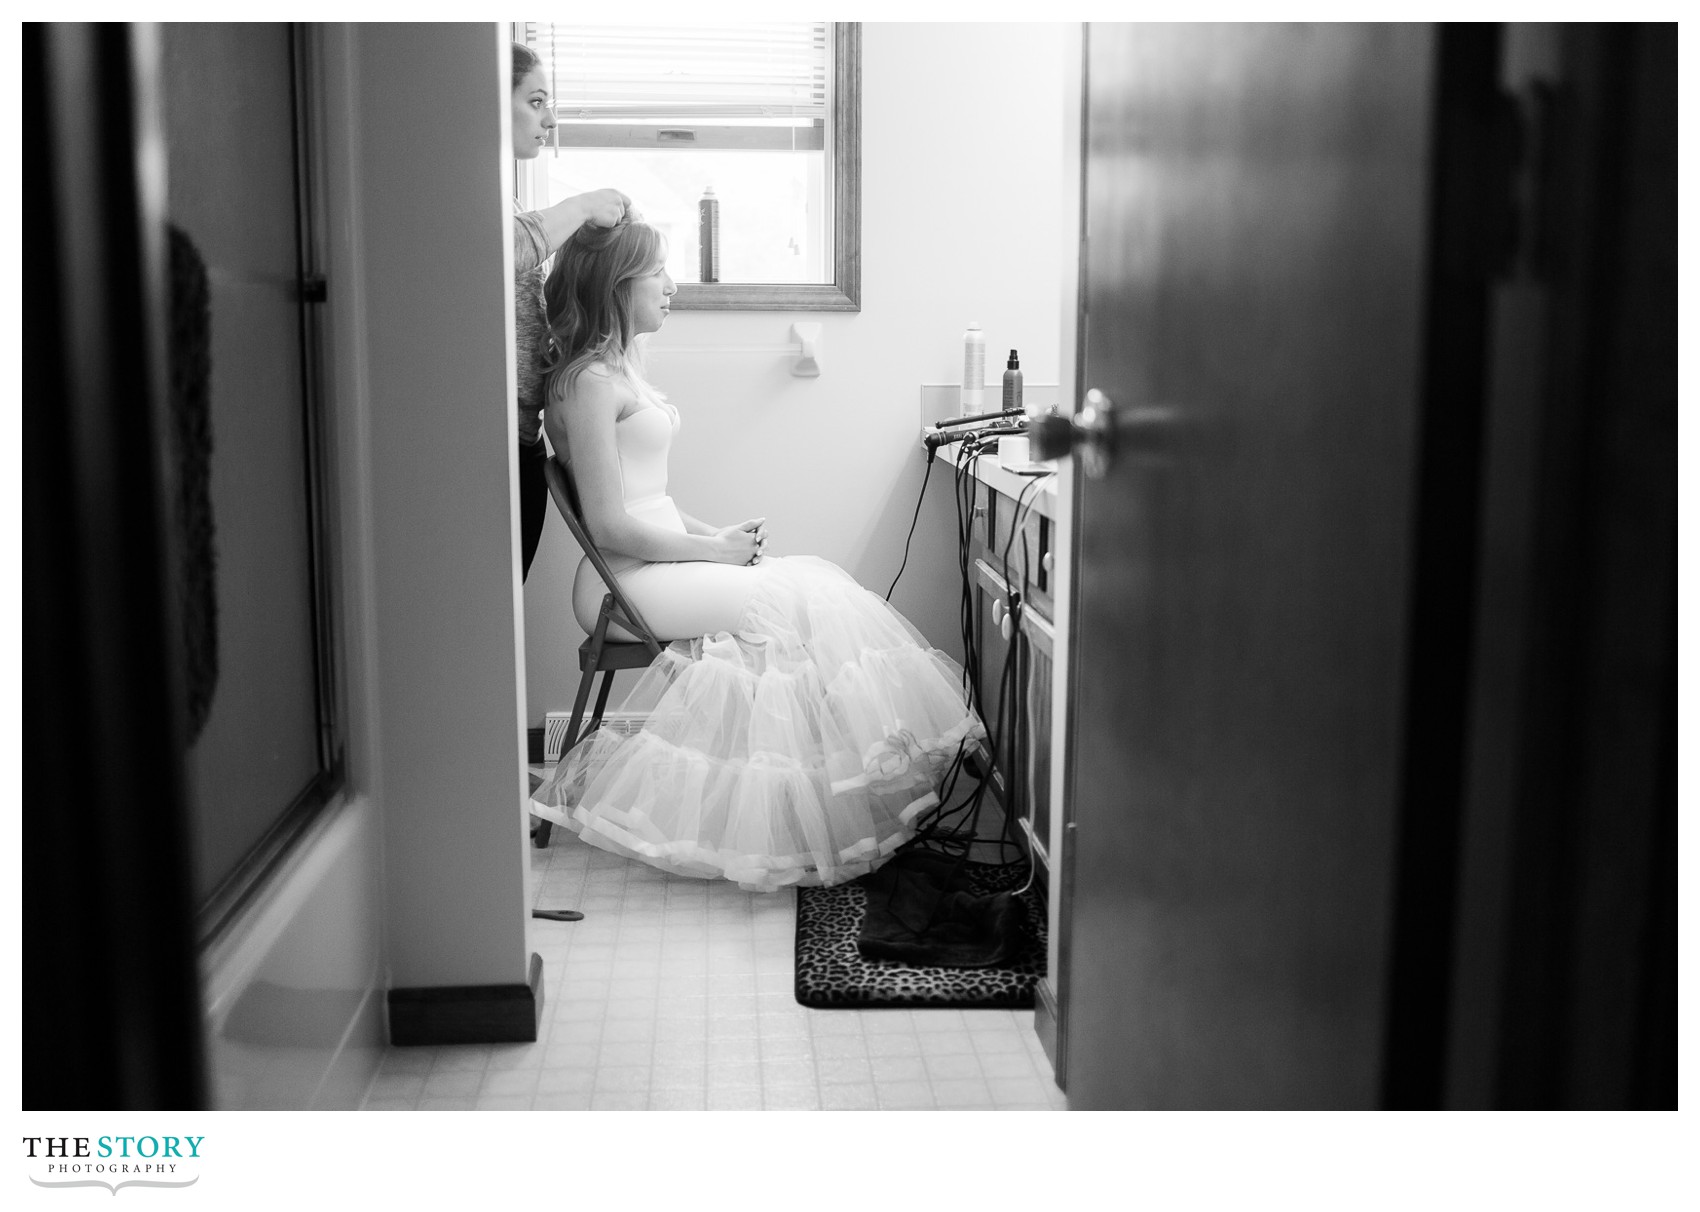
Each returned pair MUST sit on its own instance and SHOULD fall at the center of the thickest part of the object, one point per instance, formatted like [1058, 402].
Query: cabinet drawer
[1035, 539]
[980, 525]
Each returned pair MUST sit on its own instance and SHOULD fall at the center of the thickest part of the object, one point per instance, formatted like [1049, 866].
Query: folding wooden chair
[599, 653]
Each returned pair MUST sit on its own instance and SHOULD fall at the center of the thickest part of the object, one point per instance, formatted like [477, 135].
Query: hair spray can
[973, 371]
[708, 235]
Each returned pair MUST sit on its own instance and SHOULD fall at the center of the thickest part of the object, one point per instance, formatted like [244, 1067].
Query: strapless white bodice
[643, 438]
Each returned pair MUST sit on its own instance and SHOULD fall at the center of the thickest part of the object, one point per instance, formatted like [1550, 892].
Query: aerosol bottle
[973, 371]
[708, 235]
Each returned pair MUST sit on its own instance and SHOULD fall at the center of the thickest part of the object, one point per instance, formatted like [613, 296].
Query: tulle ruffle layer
[797, 751]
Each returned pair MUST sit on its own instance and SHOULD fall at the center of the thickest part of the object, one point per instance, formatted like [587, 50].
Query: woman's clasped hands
[743, 543]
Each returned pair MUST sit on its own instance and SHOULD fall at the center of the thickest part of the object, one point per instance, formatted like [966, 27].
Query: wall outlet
[555, 729]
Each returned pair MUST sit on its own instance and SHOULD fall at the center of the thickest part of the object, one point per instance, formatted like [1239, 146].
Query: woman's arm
[603, 207]
[695, 527]
[538, 233]
[582, 423]
[757, 526]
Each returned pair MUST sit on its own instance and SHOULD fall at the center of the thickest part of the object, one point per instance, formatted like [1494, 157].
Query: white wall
[433, 271]
[961, 201]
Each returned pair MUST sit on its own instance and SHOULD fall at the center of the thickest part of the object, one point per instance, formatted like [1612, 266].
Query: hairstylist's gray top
[531, 328]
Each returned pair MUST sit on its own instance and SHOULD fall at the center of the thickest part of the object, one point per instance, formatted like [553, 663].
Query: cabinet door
[1019, 709]
[1033, 749]
[991, 598]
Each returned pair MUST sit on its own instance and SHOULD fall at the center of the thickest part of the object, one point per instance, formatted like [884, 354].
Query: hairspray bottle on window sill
[708, 235]
[973, 371]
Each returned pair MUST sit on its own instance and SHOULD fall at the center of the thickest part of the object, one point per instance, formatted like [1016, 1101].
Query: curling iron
[980, 416]
[934, 438]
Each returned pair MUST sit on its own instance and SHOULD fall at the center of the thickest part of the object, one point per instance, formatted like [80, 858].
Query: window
[762, 119]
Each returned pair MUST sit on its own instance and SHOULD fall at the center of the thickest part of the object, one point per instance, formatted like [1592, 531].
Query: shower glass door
[263, 753]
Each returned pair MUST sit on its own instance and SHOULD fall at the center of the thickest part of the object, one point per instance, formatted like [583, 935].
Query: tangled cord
[954, 831]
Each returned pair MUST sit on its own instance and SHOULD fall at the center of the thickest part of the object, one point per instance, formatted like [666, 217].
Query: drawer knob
[1047, 562]
[997, 612]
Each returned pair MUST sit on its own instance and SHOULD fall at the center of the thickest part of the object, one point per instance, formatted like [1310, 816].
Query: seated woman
[797, 725]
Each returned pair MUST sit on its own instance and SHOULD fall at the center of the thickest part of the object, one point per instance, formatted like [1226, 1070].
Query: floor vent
[555, 729]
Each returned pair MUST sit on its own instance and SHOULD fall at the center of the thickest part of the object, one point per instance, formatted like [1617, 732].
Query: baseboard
[468, 1014]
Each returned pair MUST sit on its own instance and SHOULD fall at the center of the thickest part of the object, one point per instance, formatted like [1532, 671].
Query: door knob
[1097, 431]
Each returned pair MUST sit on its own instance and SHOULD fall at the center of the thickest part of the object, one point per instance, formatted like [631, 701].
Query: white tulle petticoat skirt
[798, 750]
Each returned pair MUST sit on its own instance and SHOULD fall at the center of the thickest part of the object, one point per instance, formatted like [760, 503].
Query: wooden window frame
[844, 292]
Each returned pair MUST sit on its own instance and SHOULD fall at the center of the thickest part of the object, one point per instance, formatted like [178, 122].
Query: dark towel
[921, 911]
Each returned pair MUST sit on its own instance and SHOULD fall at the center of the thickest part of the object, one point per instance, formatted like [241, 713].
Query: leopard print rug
[832, 975]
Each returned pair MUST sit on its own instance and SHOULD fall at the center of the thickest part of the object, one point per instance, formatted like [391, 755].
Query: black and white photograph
[680, 560]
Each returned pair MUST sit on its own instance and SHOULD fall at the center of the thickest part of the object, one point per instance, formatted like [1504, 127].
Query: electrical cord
[964, 818]
[1022, 507]
[1005, 729]
[1008, 683]
[966, 492]
[932, 451]
[930, 827]
[1000, 736]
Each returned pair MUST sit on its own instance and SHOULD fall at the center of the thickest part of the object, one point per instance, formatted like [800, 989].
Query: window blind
[758, 74]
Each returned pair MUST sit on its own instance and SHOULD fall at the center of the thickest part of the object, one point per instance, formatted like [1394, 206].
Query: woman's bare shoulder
[595, 388]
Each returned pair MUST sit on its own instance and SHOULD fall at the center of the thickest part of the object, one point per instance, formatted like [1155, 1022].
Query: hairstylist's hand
[743, 543]
[604, 207]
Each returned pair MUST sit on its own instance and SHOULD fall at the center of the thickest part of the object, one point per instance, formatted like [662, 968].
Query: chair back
[565, 495]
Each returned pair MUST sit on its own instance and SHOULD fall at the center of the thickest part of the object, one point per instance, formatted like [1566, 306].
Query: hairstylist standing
[537, 234]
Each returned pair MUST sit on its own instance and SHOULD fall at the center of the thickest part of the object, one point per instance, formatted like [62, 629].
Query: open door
[1370, 783]
[1257, 205]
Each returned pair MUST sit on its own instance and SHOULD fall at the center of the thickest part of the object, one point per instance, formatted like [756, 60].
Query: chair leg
[601, 701]
[540, 835]
[596, 640]
[572, 738]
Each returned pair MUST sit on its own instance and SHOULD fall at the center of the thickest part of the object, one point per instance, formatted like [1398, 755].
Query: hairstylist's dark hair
[525, 61]
[588, 299]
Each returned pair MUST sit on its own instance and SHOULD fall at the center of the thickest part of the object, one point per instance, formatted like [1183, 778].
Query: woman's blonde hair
[588, 301]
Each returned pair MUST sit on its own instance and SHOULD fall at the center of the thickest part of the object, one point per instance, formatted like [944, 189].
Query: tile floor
[676, 994]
